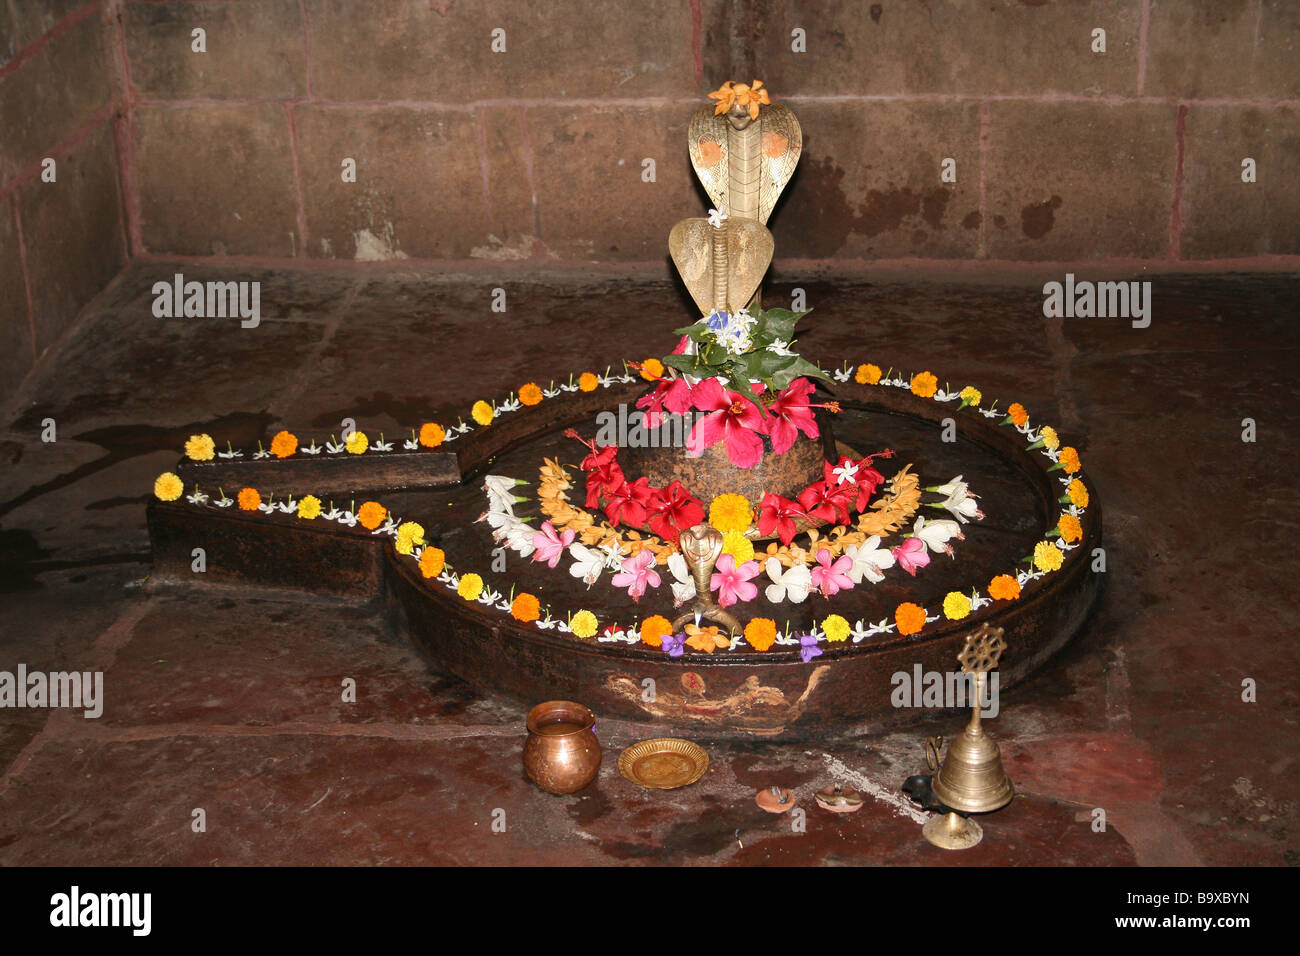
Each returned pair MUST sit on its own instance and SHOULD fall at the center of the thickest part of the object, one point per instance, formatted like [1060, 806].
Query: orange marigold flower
[868, 375]
[1017, 414]
[1069, 459]
[371, 514]
[530, 394]
[924, 384]
[1004, 588]
[654, 629]
[432, 561]
[761, 633]
[432, 435]
[525, 608]
[1070, 528]
[1077, 493]
[588, 382]
[652, 370]
[284, 444]
[249, 499]
[910, 618]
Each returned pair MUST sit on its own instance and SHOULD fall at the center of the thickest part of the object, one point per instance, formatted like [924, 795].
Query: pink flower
[731, 582]
[832, 577]
[790, 414]
[549, 544]
[637, 573]
[732, 418]
[911, 554]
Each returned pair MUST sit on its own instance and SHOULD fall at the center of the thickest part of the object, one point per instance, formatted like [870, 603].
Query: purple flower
[674, 644]
[809, 650]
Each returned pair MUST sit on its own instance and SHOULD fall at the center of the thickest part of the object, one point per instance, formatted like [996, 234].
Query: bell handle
[932, 747]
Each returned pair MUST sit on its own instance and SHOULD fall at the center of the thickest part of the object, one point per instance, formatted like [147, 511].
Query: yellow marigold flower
[1069, 460]
[530, 394]
[284, 444]
[432, 561]
[1071, 529]
[924, 384]
[868, 375]
[652, 370]
[761, 633]
[583, 624]
[309, 507]
[470, 587]
[525, 608]
[168, 486]
[738, 546]
[200, 448]
[482, 413]
[588, 382]
[432, 435]
[1017, 414]
[909, 617]
[1049, 438]
[1047, 556]
[409, 534]
[1004, 588]
[970, 395]
[731, 513]
[956, 605]
[654, 629]
[835, 628]
[357, 443]
[1077, 493]
[371, 514]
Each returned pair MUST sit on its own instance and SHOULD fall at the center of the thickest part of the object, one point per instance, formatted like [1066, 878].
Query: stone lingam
[762, 573]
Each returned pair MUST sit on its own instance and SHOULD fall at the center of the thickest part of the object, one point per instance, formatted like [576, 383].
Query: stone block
[217, 180]
[31, 20]
[442, 52]
[972, 47]
[52, 94]
[1210, 48]
[869, 182]
[1225, 217]
[1078, 181]
[73, 231]
[253, 49]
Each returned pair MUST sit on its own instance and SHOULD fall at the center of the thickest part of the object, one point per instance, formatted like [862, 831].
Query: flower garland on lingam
[597, 549]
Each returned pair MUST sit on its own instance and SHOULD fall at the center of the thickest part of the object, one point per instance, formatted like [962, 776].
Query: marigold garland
[835, 628]
[1017, 415]
[1047, 556]
[168, 486]
[309, 507]
[588, 382]
[470, 586]
[1077, 493]
[970, 395]
[868, 375]
[654, 629]
[1071, 528]
[249, 499]
[1048, 437]
[731, 512]
[909, 617]
[738, 546]
[357, 443]
[956, 605]
[760, 632]
[525, 608]
[530, 394]
[583, 624]
[432, 561]
[652, 370]
[1069, 460]
[409, 534]
[924, 384]
[482, 413]
[1004, 588]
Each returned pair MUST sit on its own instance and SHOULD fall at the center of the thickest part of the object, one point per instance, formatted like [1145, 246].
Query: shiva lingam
[971, 779]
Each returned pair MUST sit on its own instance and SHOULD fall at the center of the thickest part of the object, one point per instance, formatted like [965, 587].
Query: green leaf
[683, 363]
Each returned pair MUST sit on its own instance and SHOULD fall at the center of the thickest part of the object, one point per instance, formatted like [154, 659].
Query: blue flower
[674, 644]
[717, 321]
[809, 650]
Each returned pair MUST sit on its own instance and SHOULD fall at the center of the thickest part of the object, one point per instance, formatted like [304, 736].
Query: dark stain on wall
[1037, 218]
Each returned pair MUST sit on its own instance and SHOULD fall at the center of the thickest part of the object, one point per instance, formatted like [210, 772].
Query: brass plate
[663, 763]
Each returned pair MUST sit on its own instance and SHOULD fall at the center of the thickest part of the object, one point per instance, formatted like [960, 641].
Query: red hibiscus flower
[672, 510]
[791, 413]
[732, 419]
[627, 503]
[827, 502]
[777, 514]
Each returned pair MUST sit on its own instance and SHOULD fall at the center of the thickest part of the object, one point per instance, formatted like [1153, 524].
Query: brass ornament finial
[983, 650]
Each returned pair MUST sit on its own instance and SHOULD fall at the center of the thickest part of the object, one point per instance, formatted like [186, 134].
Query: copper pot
[562, 754]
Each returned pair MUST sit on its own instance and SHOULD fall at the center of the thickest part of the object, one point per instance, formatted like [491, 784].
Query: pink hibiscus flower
[911, 554]
[550, 544]
[790, 414]
[831, 577]
[731, 582]
[637, 573]
[732, 419]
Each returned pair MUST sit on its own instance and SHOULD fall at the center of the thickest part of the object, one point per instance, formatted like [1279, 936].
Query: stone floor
[229, 702]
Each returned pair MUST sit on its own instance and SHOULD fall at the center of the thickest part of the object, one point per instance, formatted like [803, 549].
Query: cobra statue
[744, 149]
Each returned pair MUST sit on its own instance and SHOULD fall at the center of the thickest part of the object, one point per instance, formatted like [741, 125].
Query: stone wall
[536, 155]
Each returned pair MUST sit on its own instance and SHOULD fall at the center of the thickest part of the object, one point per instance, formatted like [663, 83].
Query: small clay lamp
[838, 800]
[775, 799]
